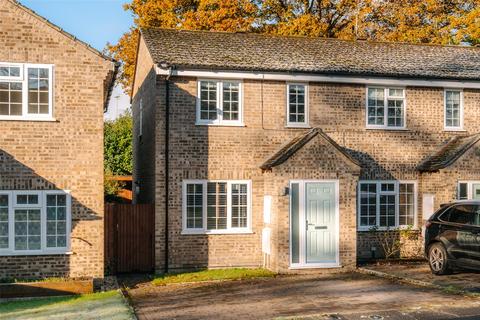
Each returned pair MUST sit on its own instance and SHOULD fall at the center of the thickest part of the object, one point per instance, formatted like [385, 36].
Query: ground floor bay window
[387, 204]
[34, 222]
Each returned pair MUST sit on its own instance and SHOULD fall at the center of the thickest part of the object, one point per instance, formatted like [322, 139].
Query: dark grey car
[452, 237]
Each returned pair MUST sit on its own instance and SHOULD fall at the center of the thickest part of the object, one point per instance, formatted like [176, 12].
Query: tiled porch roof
[449, 153]
[296, 144]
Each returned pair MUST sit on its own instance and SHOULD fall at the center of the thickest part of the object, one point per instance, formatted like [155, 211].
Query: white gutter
[305, 77]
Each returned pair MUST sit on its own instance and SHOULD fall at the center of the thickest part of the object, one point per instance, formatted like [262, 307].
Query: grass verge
[212, 275]
[89, 306]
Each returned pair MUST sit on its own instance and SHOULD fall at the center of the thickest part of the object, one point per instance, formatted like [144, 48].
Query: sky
[95, 22]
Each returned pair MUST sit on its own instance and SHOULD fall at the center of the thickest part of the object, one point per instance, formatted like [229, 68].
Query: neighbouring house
[286, 152]
[53, 90]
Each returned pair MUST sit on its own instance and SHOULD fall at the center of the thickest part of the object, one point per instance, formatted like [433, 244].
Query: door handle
[308, 224]
[321, 227]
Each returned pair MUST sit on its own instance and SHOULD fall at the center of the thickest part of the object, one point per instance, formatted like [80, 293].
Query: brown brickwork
[220, 152]
[63, 154]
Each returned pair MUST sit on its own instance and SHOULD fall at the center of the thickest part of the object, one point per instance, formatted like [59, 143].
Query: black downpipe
[167, 133]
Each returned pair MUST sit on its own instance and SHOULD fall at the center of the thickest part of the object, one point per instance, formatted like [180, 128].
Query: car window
[464, 214]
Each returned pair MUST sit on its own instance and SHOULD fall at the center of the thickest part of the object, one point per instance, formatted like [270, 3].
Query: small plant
[412, 246]
[389, 241]
[409, 233]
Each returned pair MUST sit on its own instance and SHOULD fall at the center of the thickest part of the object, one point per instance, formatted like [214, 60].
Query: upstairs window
[385, 108]
[216, 206]
[219, 102]
[25, 91]
[297, 111]
[386, 204]
[453, 110]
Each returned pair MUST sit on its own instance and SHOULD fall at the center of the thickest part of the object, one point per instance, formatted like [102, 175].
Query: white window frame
[386, 97]
[9, 78]
[219, 121]
[229, 229]
[24, 81]
[452, 128]
[42, 196]
[397, 203]
[469, 184]
[304, 124]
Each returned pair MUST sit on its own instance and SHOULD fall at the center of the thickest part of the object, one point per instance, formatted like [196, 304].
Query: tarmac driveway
[334, 296]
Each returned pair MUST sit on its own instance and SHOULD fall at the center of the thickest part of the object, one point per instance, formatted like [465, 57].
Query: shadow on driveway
[340, 296]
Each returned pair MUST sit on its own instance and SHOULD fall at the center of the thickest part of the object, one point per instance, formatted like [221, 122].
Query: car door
[455, 232]
[474, 247]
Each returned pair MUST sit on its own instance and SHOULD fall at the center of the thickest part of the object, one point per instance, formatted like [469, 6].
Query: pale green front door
[321, 222]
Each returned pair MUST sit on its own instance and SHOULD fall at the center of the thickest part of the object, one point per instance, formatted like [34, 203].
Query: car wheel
[438, 260]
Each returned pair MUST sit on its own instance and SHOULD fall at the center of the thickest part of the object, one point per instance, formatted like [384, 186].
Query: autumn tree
[219, 15]
[425, 21]
[316, 18]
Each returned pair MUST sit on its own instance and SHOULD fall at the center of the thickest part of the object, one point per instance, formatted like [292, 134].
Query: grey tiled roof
[449, 153]
[267, 53]
[296, 144]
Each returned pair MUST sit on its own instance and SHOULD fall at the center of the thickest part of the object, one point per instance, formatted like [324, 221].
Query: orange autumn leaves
[223, 15]
[424, 21]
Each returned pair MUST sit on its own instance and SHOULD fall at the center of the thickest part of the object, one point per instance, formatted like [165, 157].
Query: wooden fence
[129, 238]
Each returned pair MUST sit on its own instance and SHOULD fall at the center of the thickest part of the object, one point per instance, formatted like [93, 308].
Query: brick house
[53, 89]
[286, 151]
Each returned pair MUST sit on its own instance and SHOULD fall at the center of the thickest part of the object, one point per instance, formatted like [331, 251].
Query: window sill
[27, 119]
[387, 129]
[220, 124]
[215, 232]
[35, 253]
[454, 130]
[298, 126]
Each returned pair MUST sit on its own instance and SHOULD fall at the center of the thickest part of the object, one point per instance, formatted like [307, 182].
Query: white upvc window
[26, 91]
[387, 204]
[35, 222]
[216, 206]
[468, 190]
[386, 108]
[219, 102]
[453, 100]
[297, 105]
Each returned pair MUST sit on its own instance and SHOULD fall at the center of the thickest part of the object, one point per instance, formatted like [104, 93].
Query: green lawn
[104, 305]
[214, 274]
